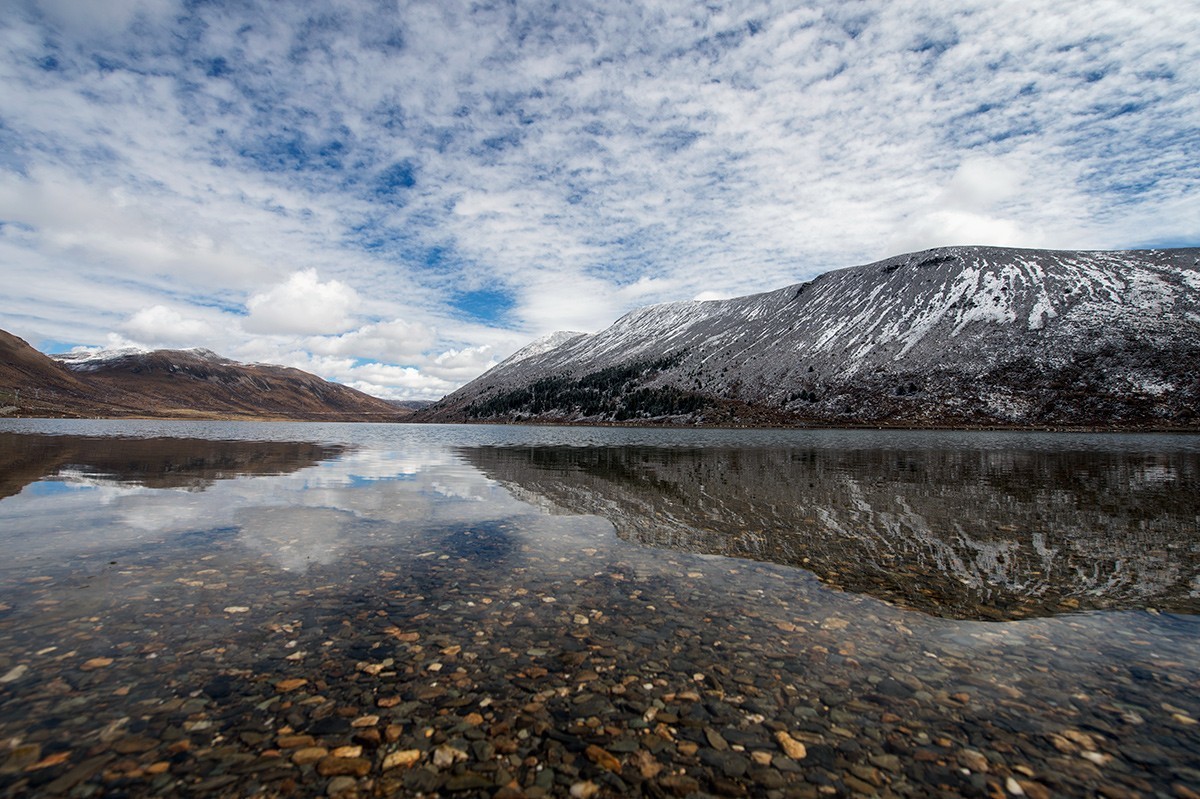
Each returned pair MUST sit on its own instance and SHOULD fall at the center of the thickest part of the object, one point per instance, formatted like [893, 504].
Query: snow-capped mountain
[951, 336]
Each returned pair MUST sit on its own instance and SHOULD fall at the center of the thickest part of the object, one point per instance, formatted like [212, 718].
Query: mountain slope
[30, 380]
[952, 336]
[173, 384]
[191, 382]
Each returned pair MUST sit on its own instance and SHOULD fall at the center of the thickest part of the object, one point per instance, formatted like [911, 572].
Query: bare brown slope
[190, 384]
[36, 384]
[171, 384]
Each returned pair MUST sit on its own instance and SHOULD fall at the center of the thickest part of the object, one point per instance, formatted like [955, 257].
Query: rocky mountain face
[959, 336]
[968, 534]
[192, 384]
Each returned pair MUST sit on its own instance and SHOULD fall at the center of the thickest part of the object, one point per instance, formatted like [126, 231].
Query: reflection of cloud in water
[295, 538]
[157, 513]
[310, 515]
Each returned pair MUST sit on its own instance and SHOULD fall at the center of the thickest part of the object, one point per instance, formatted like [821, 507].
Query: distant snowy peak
[542, 346]
[84, 359]
[87, 359]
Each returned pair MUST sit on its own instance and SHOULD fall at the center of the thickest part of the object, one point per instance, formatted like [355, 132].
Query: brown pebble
[294, 741]
[973, 760]
[341, 785]
[96, 663]
[402, 759]
[602, 758]
[331, 766]
[161, 767]
[133, 745]
[283, 686]
[309, 754]
[679, 784]
[1035, 790]
[790, 746]
[50, 760]
[21, 757]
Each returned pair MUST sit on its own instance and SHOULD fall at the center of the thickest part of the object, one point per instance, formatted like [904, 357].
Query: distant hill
[411, 405]
[957, 336]
[191, 384]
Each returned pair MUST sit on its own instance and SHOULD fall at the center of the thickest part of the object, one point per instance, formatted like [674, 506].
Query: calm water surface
[373, 610]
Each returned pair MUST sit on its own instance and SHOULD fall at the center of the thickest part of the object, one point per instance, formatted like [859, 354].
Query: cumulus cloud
[159, 326]
[393, 184]
[302, 304]
[393, 340]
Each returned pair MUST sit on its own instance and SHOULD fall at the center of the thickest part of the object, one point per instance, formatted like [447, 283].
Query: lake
[295, 609]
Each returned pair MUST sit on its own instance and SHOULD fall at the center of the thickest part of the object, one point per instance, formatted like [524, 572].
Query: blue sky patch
[485, 305]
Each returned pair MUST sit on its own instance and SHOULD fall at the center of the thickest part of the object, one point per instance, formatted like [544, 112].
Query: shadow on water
[966, 534]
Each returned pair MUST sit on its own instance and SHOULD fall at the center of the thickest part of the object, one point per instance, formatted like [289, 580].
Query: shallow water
[217, 608]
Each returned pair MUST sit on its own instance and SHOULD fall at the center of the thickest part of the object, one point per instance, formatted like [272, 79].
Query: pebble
[340, 785]
[790, 746]
[602, 758]
[334, 766]
[14, 674]
[584, 790]
[403, 758]
[973, 760]
[309, 754]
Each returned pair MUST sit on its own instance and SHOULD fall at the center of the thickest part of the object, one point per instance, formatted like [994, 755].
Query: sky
[397, 195]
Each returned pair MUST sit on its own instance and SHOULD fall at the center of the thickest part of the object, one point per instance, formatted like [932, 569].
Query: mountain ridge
[954, 336]
[173, 384]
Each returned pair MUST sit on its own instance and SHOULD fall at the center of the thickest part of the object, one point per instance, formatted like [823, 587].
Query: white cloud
[456, 366]
[302, 304]
[159, 326]
[394, 340]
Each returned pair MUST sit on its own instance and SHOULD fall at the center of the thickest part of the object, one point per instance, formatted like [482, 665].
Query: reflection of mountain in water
[151, 462]
[965, 534]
